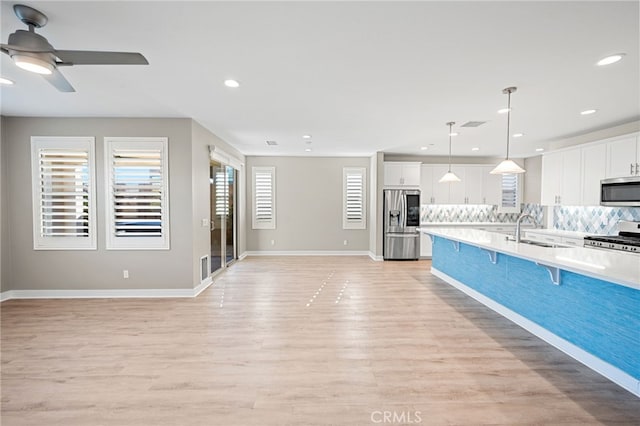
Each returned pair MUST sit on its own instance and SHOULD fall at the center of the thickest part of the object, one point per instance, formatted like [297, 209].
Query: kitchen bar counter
[584, 301]
[613, 266]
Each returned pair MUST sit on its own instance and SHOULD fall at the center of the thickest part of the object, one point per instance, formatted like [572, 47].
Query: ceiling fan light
[33, 64]
[507, 167]
[449, 177]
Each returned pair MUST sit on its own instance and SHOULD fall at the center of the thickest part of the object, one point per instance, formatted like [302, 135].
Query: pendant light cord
[508, 120]
[450, 147]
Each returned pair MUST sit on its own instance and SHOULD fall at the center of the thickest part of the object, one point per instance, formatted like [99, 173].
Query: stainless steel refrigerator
[401, 220]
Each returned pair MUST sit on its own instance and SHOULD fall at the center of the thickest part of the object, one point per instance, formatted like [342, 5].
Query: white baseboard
[374, 257]
[607, 370]
[106, 294]
[242, 256]
[202, 286]
[306, 253]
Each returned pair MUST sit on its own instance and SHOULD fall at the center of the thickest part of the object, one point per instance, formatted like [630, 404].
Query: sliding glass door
[222, 185]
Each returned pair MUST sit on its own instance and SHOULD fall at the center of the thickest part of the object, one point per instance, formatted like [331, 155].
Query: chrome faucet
[519, 221]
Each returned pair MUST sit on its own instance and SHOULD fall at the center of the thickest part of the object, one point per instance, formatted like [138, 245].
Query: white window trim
[62, 243]
[354, 224]
[272, 223]
[136, 243]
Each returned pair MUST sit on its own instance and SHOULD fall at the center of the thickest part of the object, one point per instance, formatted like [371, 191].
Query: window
[353, 198]
[510, 194]
[63, 189]
[264, 197]
[137, 193]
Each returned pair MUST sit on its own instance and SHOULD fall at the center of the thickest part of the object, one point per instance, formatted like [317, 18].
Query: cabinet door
[473, 184]
[491, 187]
[393, 174]
[594, 164]
[457, 194]
[411, 175]
[440, 190]
[622, 157]
[426, 184]
[571, 178]
[551, 178]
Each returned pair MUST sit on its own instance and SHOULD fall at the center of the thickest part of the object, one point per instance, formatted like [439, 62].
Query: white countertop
[607, 265]
[559, 233]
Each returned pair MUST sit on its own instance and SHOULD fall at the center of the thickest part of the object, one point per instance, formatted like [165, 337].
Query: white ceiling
[360, 77]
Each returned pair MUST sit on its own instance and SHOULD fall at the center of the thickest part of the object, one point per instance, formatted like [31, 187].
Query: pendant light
[507, 166]
[449, 176]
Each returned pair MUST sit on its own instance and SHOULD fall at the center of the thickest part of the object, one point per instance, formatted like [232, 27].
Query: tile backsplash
[475, 213]
[593, 220]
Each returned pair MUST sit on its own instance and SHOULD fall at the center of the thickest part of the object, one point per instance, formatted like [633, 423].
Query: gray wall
[308, 205]
[25, 268]
[201, 139]
[533, 180]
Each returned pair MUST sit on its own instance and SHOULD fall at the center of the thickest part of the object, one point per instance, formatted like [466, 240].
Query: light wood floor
[293, 340]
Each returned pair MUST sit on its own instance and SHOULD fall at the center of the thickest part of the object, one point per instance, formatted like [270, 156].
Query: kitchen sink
[538, 243]
[534, 243]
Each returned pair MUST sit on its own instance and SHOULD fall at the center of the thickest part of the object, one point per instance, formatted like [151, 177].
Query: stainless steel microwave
[623, 191]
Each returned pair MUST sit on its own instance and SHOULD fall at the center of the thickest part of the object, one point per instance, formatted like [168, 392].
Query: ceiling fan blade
[89, 57]
[7, 47]
[59, 82]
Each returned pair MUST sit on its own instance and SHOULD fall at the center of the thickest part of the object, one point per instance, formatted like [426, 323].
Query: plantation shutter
[63, 191]
[222, 194]
[264, 212]
[137, 175]
[353, 198]
[510, 200]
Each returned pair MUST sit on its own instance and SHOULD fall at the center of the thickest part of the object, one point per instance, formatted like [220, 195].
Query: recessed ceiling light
[453, 134]
[231, 83]
[306, 136]
[588, 111]
[503, 110]
[308, 150]
[612, 59]
[475, 149]
[539, 149]
[424, 148]
[518, 135]
[5, 81]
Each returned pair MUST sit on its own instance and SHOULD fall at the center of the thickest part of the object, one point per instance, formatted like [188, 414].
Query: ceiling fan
[33, 52]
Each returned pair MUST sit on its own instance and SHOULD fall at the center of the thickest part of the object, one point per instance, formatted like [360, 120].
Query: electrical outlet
[205, 222]
[273, 242]
[125, 274]
[345, 242]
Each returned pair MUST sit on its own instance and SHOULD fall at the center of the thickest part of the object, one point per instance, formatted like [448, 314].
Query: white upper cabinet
[562, 178]
[477, 186]
[432, 191]
[594, 164]
[401, 174]
[473, 184]
[623, 157]
[551, 178]
[491, 186]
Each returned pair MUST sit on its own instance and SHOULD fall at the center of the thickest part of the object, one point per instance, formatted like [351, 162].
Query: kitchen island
[584, 301]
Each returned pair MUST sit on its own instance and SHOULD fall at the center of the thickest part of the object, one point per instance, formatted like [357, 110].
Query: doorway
[223, 200]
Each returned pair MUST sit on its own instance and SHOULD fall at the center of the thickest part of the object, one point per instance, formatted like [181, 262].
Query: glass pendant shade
[507, 167]
[449, 177]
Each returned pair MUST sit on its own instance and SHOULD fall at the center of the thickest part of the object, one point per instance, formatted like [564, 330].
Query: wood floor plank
[293, 340]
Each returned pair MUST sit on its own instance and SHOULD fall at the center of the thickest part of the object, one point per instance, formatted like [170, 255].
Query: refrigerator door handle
[404, 210]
